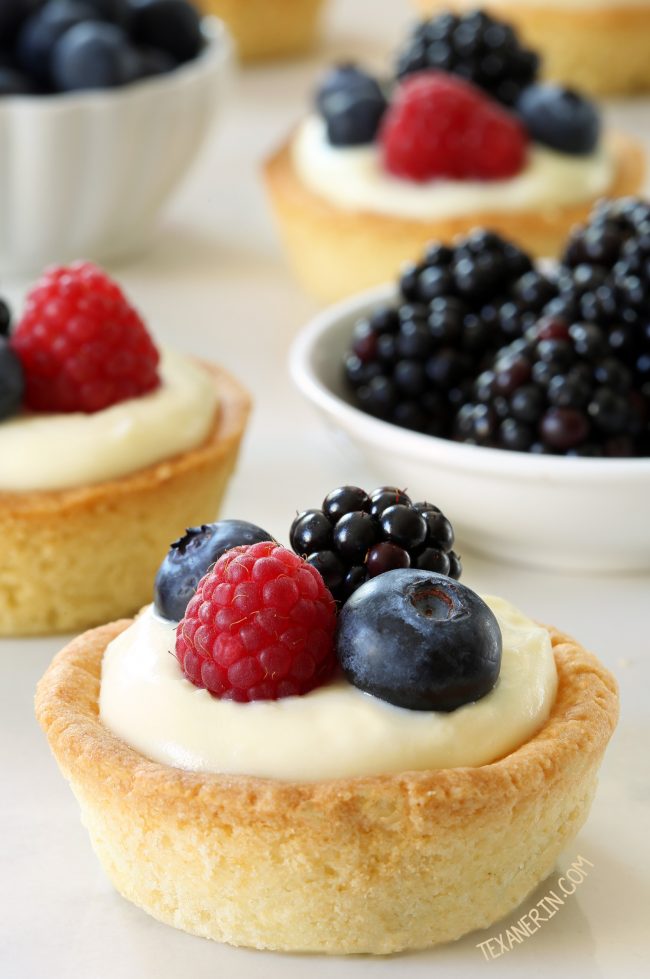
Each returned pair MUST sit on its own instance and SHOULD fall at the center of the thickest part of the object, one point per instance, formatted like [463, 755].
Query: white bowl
[542, 511]
[84, 174]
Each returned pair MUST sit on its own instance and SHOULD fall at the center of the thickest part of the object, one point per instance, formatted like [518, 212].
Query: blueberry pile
[414, 363]
[480, 49]
[483, 348]
[49, 46]
[11, 373]
[476, 47]
[356, 536]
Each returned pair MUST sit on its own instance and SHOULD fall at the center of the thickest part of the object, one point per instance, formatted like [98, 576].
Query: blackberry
[476, 47]
[605, 278]
[356, 536]
[414, 364]
[556, 390]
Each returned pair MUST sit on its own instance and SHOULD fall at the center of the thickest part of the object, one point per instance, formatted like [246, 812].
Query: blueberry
[116, 11]
[352, 105]
[93, 55]
[190, 557]
[173, 26]
[419, 640]
[39, 34]
[11, 380]
[13, 13]
[13, 82]
[153, 62]
[560, 118]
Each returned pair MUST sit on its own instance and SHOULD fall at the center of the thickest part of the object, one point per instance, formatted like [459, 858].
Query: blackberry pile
[557, 390]
[413, 364]
[476, 47]
[605, 280]
[357, 535]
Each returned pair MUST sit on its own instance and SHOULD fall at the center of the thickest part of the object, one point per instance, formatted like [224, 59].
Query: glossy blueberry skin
[11, 381]
[191, 556]
[13, 13]
[40, 33]
[419, 640]
[93, 54]
[560, 118]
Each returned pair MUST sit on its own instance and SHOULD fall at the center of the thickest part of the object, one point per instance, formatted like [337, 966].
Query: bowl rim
[217, 50]
[431, 448]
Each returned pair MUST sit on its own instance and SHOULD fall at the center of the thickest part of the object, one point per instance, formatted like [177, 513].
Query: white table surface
[215, 284]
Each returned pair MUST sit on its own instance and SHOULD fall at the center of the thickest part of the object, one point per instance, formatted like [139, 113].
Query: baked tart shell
[74, 558]
[369, 864]
[335, 253]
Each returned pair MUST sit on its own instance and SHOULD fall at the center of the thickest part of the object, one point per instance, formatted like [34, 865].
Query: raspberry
[259, 627]
[82, 346]
[441, 126]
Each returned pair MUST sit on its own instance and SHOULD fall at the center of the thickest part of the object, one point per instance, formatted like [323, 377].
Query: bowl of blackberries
[103, 107]
[516, 393]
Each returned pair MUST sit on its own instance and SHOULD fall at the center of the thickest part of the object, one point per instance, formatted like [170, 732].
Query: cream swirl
[60, 451]
[353, 179]
[334, 731]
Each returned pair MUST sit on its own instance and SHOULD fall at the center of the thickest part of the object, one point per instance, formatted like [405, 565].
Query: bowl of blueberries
[103, 106]
[517, 394]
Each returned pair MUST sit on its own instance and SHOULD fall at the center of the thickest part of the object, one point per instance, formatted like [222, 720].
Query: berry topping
[190, 557]
[356, 536]
[419, 640]
[441, 126]
[11, 380]
[260, 626]
[352, 104]
[82, 346]
[477, 47]
[560, 118]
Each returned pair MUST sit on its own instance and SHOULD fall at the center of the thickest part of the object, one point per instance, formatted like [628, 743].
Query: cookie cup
[336, 252]
[264, 30]
[370, 864]
[600, 48]
[76, 557]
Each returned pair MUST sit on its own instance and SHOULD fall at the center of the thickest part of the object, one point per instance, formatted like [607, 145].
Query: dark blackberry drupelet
[557, 390]
[476, 47]
[357, 536]
[414, 364]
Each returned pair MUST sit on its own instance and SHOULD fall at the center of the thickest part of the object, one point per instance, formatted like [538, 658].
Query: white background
[215, 284]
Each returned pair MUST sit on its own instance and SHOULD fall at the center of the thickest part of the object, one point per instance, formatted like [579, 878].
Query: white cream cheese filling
[60, 451]
[353, 179]
[334, 731]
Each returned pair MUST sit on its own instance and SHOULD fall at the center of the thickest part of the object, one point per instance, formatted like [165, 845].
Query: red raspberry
[441, 126]
[82, 346]
[260, 626]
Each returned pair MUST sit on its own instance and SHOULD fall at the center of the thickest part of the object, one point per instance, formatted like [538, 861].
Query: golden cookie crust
[73, 558]
[601, 49]
[335, 253]
[371, 864]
